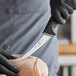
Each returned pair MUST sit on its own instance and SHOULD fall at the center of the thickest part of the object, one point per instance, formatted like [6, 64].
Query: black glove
[60, 11]
[72, 3]
[6, 67]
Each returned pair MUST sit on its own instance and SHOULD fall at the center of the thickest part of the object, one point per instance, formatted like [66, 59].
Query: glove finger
[8, 64]
[69, 8]
[7, 55]
[71, 3]
[64, 12]
[57, 16]
[4, 70]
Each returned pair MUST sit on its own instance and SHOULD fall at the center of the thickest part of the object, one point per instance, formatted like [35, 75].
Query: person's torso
[21, 25]
[22, 22]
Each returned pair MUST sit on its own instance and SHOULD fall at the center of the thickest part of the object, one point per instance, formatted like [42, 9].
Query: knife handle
[49, 29]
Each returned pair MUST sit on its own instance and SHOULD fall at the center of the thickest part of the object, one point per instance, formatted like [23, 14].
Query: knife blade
[47, 34]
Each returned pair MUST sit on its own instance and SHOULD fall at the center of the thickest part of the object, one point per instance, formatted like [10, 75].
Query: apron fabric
[21, 25]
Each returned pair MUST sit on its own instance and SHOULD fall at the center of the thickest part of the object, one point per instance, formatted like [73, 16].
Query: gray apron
[21, 25]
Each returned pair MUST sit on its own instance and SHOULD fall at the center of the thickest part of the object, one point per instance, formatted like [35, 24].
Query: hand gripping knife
[48, 32]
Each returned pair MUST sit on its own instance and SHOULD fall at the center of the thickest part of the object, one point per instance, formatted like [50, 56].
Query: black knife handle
[49, 29]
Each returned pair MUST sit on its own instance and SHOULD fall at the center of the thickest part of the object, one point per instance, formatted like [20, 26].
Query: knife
[47, 34]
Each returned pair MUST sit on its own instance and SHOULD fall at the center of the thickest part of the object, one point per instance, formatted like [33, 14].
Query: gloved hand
[60, 11]
[6, 67]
